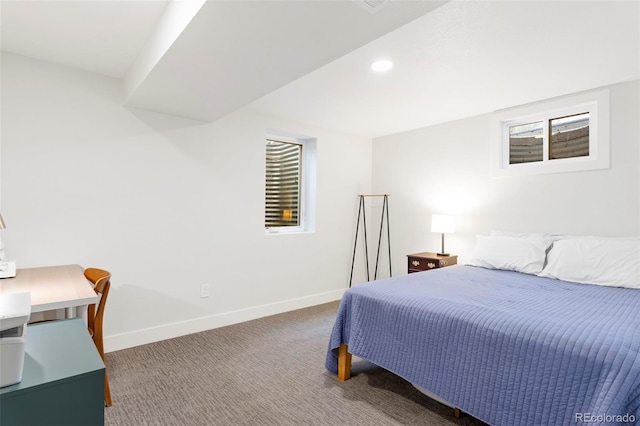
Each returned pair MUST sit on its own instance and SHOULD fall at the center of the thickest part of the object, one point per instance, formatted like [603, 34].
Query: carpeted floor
[268, 371]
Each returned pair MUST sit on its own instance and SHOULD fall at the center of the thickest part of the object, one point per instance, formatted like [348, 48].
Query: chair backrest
[101, 283]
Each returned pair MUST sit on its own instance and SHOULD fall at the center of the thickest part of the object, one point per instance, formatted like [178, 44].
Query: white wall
[165, 204]
[446, 169]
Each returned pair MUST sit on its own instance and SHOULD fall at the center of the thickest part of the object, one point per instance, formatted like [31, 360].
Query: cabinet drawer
[425, 262]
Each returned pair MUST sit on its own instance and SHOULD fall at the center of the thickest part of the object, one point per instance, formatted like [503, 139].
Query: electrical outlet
[204, 290]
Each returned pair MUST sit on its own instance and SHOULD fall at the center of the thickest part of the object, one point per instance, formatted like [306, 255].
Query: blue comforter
[505, 347]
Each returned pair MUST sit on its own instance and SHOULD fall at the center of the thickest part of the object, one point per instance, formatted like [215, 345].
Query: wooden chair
[101, 283]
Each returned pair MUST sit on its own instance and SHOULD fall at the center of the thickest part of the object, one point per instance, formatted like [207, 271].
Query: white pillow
[510, 253]
[595, 260]
[501, 233]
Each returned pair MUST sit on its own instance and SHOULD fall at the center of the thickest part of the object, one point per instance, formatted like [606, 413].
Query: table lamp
[444, 225]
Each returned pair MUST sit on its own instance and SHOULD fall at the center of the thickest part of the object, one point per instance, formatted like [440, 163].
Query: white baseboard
[168, 331]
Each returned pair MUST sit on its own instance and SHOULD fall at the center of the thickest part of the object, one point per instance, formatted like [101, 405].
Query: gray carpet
[268, 371]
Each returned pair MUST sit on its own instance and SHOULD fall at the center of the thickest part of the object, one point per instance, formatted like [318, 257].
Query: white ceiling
[308, 60]
[468, 58]
[233, 52]
[104, 37]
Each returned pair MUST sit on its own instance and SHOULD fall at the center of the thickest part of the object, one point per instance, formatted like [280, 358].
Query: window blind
[283, 175]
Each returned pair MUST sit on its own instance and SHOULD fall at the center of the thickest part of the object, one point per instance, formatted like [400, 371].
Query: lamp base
[442, 254]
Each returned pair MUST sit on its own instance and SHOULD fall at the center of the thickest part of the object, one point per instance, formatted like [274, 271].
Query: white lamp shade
[443, 224]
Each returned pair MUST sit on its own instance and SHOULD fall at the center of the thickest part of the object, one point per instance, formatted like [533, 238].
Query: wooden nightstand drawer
[425, 261]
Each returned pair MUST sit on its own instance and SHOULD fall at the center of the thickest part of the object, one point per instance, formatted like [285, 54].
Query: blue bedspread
[505, 347]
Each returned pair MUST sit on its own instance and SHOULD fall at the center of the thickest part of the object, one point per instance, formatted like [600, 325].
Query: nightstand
[425, 261]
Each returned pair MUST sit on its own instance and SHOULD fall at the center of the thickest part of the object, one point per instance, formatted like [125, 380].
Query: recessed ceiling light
[382, 65]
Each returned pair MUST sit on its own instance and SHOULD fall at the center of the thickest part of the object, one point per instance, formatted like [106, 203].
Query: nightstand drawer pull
[444, 263]
[416, 263]
[431, 265]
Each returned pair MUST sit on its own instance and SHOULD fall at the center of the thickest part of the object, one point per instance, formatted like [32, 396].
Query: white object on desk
[7, 268]
[15, 309]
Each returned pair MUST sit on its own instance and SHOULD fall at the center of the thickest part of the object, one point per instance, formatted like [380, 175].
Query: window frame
[307, 205]
[594, 103]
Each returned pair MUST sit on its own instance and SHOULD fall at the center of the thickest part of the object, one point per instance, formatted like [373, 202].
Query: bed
[504, 346]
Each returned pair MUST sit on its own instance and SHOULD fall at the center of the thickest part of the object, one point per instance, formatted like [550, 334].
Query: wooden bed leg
[456, 413]
[344, 363]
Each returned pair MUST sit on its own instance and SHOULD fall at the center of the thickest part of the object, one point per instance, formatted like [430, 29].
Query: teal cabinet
[62, 381]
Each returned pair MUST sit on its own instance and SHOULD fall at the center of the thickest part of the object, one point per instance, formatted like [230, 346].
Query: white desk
[53, 287]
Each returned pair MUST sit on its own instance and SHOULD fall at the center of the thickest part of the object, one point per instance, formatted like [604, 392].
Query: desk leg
[77, 311]
[81, 311]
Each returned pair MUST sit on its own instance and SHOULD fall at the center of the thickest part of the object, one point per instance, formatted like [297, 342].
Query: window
[552, 139]
[284, 171]
[525, 142]
[289, 183]
[568, 134]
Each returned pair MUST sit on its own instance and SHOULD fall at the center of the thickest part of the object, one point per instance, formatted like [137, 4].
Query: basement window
[290, 163]
[569, 134]
[549, 139]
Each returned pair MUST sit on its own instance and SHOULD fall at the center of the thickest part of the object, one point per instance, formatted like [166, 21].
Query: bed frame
[344, 374]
